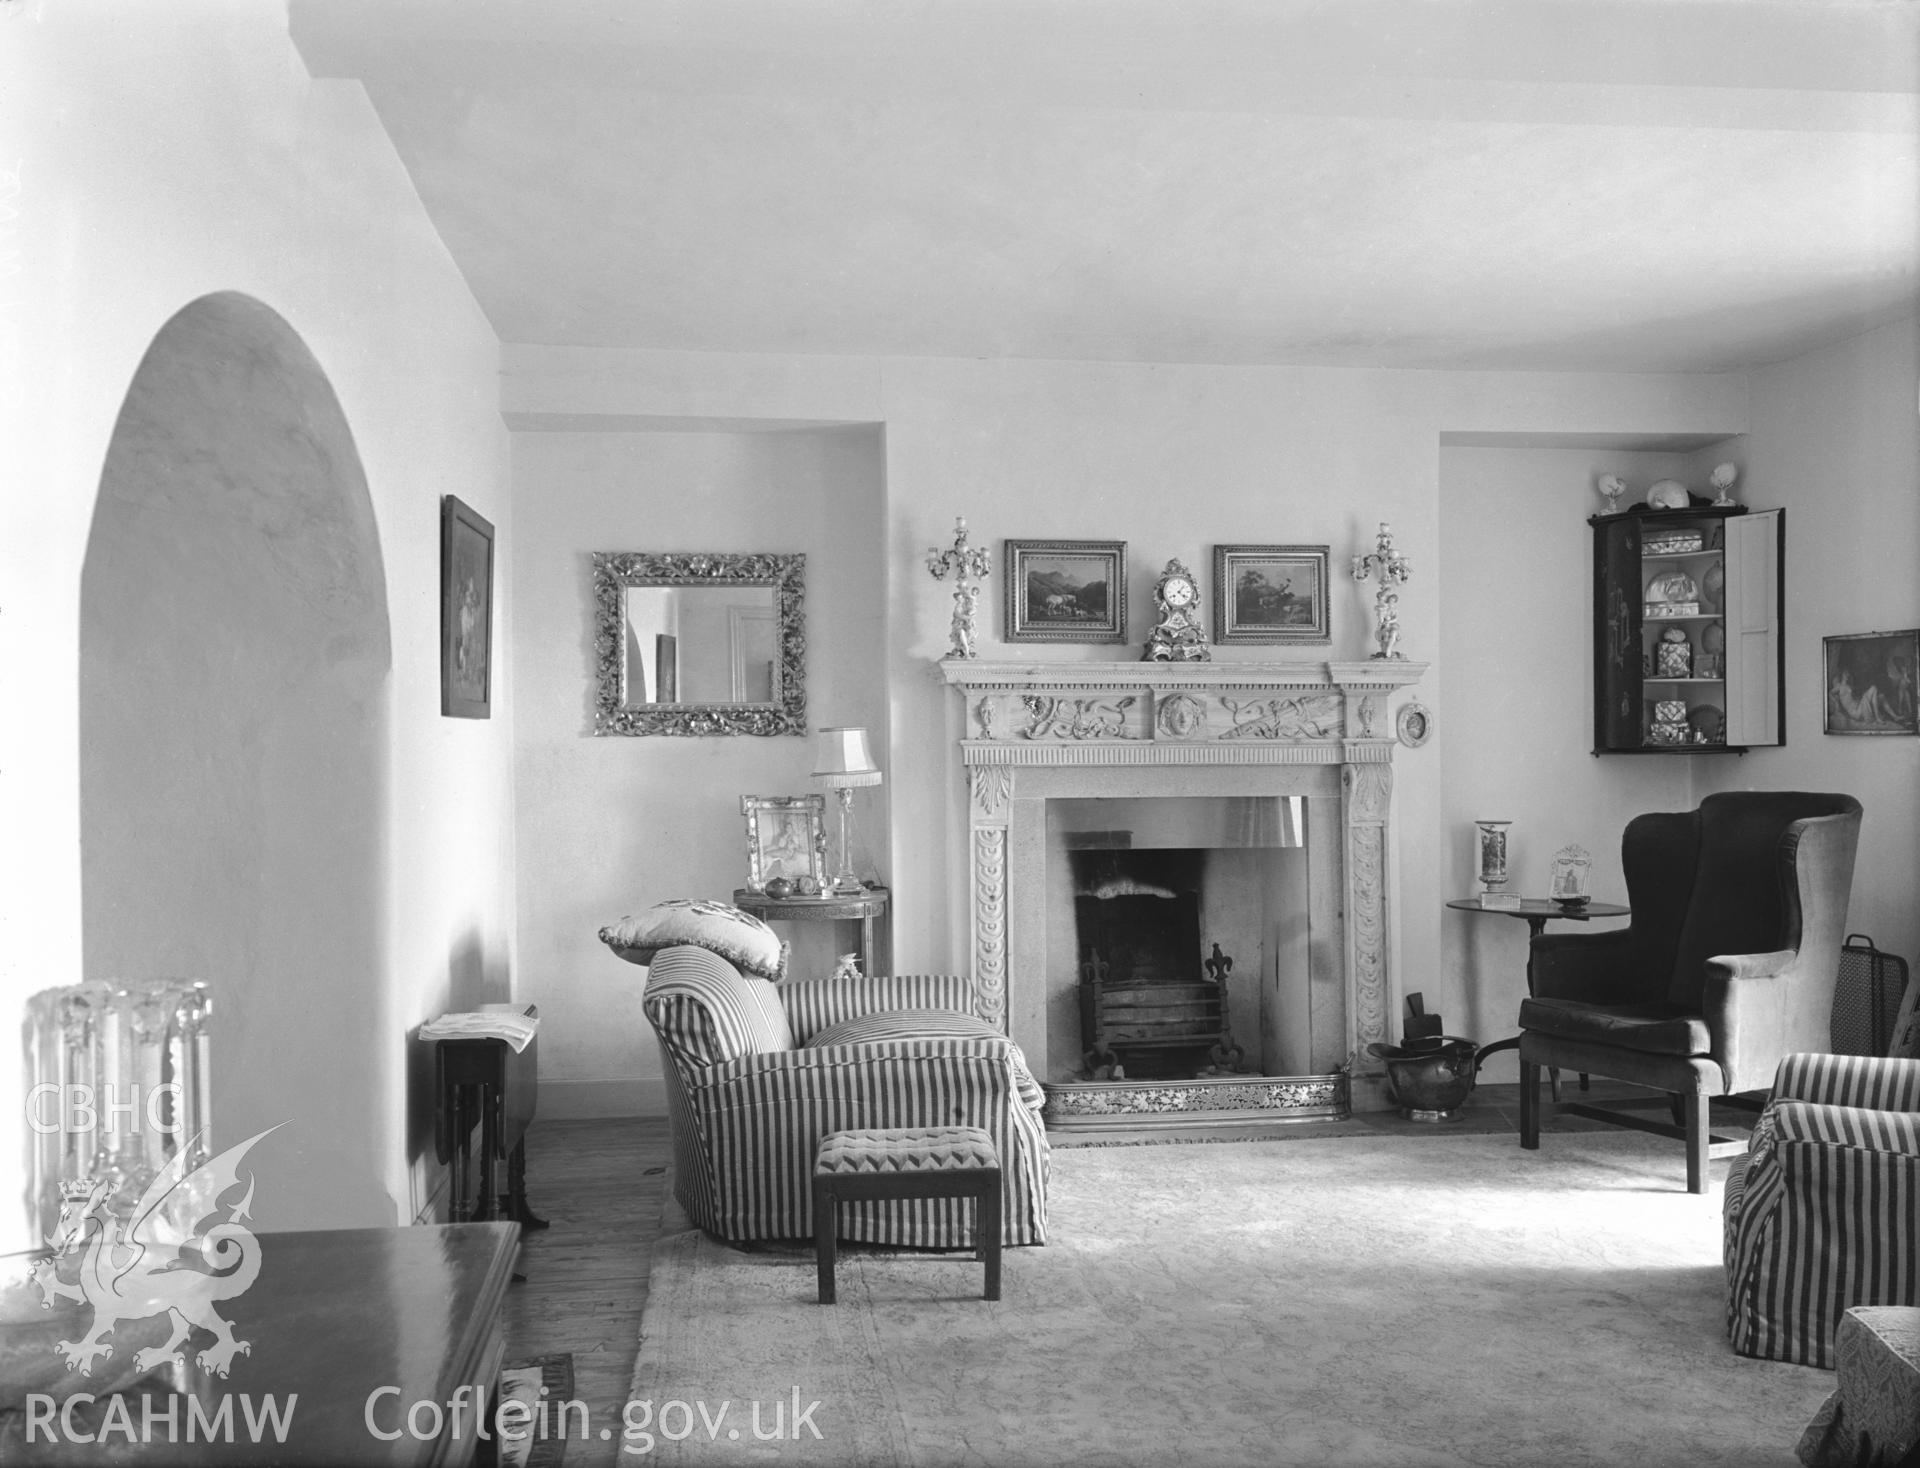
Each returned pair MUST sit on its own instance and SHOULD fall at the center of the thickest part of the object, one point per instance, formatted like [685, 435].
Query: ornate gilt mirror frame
[616, 571]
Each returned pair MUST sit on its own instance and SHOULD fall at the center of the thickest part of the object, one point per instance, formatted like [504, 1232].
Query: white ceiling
[1615, 184]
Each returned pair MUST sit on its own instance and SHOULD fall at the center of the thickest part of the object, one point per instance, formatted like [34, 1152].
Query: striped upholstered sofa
[758, 1072]
[1823, 1213]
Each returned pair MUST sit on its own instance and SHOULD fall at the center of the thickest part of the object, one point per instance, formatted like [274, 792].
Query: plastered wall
[153, 156]
[610, 825]
[1836, 440]
[1170, 459]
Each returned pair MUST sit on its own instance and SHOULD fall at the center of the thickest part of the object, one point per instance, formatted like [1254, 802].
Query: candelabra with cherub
[1393, 569]
[964, 562]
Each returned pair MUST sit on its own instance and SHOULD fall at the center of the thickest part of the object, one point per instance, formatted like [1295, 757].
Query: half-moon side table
[867, 908]
[1537, 912]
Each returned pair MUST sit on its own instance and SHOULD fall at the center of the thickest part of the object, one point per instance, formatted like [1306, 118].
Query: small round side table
[1537, 912]
[867, 908]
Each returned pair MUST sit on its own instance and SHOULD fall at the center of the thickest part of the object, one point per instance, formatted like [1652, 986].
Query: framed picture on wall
[786, 839]
[1270, 593]
[466, 611]
[1066, 591]
[1870, 683]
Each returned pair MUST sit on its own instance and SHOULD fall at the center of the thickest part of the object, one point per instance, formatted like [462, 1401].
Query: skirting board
[596, 1100]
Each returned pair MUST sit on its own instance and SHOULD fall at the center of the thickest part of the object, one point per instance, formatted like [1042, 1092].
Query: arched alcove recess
[234, 657]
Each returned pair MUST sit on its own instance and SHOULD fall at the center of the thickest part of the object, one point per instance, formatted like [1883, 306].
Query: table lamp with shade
[843, 763]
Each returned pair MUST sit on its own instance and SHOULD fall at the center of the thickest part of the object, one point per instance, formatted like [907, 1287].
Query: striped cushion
[705, 1011]
[813, 1005]
[927, 1024]
[1826, 1212]
[907, 1149]
[1847, 1126]
[903, 1024]
[738, 937]
[1850, 1080]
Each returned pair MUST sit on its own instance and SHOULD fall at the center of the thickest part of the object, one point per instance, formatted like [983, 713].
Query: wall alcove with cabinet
[1689, 607]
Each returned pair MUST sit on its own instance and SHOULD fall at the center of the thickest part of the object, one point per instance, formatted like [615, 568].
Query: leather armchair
[1728, 963]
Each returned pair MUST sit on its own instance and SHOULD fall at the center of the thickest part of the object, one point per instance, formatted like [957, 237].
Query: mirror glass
[701, 644]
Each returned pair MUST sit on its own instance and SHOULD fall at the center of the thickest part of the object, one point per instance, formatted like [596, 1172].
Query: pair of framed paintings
[1076, 591]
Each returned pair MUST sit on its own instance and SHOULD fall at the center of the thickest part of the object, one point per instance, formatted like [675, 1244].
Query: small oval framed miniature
[1414, 724]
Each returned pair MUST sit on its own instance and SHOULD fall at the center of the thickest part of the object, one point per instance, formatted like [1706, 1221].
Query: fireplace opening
[1179, 941]
[1150, 1007]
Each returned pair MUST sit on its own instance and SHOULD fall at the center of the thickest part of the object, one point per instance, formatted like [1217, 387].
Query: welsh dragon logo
[124, 1268]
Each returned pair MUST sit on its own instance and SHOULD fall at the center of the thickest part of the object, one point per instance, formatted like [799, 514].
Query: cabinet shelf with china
[1688, 624]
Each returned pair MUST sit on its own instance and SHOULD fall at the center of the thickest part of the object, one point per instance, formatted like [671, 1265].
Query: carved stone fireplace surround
[1035, 732]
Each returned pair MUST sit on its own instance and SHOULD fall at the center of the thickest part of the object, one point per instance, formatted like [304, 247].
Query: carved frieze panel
[1052, 716]
[1311, 716]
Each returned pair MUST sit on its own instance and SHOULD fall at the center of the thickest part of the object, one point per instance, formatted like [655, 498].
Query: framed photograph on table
[1066, 591]
[1270, 593]
[1870, 683]
[466, 611]
[786, 841]
[1570, 882]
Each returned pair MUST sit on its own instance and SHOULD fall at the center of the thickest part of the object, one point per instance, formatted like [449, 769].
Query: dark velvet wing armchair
[1728, 964]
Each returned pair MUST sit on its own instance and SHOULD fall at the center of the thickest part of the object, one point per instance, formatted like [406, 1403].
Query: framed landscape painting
[1870, 683]
[466, 611]
[1066, 591]
[1270, 593]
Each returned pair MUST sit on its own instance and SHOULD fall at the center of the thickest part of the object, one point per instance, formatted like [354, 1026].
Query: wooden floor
[601, 1185]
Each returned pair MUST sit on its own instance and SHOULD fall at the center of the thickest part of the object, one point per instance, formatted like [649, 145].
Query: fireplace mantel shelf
[1371, 674]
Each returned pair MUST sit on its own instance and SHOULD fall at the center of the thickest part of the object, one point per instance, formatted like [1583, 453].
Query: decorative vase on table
[1492, 839]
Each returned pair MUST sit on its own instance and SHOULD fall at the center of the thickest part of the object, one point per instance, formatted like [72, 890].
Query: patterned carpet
[1440, 1299]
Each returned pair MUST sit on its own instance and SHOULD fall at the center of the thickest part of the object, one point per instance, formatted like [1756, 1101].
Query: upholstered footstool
[906, 1162]
[1873, 1417]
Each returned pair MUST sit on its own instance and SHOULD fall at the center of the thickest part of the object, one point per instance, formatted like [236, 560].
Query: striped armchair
[757, 1073]
[1823, 1213]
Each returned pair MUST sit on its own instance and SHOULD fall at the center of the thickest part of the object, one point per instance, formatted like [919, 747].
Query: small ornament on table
[1722, 479]
[1612, 489]
[1393, 569]
[1569, 884]
[1492, 844]
[965, 563]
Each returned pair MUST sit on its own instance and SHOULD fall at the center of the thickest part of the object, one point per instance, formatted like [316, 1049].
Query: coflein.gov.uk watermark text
[387, 1417]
